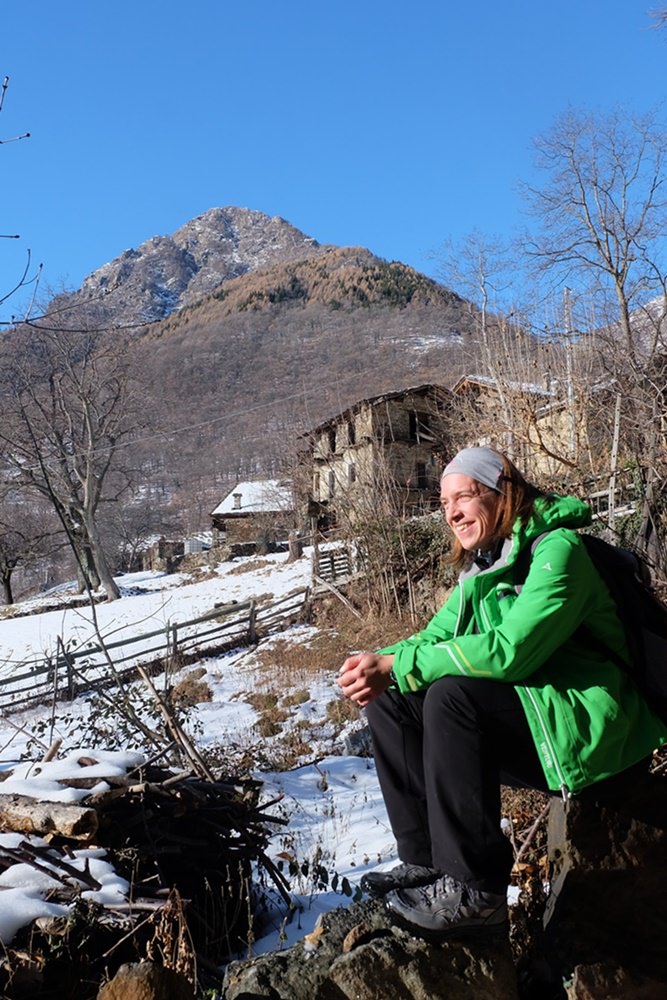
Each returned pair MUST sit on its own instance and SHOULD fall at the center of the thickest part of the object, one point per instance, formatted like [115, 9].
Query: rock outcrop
[357, 953]
[606, 915]
[146, 981]
[602, 936]
[165, 273]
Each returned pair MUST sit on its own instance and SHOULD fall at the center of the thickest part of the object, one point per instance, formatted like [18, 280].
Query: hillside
[245, 332]
[272, 353]
[260, 333]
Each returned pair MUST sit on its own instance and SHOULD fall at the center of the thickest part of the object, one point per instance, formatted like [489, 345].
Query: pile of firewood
[186, 841]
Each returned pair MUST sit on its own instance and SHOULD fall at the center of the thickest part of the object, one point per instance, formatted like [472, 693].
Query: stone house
[391, 443]
[162, 556]
[551, 437]
[532, 422]
[254, 509]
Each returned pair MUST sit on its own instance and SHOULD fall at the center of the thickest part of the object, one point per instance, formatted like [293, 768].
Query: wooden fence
[68, 671]
[333, 566]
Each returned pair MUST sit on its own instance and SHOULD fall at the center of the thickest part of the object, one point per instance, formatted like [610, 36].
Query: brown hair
[516, 500]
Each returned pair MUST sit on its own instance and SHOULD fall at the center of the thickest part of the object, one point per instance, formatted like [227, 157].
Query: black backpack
[642, 613]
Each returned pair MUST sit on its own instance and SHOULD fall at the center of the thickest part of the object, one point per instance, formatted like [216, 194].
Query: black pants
[441, 756]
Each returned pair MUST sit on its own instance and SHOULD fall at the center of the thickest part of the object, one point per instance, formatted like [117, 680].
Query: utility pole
[611, 513]
[569, 373]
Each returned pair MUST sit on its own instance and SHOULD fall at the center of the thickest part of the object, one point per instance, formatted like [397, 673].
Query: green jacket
[586, 716]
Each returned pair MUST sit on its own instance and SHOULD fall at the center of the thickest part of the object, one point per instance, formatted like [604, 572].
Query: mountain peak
[165, 273]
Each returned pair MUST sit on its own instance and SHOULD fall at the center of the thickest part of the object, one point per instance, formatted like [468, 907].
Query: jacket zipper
[459, 617]
[547, 739]
[545, 732]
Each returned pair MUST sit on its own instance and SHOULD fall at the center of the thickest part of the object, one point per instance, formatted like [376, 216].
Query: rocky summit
[165, 273]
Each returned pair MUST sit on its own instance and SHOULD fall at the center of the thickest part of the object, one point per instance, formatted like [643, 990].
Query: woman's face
[470, 509]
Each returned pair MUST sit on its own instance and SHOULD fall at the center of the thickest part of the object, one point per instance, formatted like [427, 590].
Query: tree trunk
[23, 814]
[103, 571]
[295, 546]
[87, 574]
[6, 578]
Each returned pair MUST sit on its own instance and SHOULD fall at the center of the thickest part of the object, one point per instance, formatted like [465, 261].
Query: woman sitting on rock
[503, 686]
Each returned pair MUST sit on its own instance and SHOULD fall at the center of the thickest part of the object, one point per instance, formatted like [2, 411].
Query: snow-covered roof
[262, 496]
[530, 388]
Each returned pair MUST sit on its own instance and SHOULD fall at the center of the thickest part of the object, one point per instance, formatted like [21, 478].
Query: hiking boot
[402, 876]
[446, 906]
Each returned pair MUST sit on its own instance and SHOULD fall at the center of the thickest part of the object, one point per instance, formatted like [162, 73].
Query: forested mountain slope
[274, 352]
[260, 333]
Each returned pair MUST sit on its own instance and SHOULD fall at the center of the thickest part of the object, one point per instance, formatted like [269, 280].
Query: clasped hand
[364, 676]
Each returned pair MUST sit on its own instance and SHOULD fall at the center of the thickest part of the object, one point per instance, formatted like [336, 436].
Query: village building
[390, 444]
[546, 429]
[161, 556]
[529, 420]
[260, 509]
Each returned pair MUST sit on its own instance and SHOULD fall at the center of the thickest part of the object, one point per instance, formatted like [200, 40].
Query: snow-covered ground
[150, 601]
[336, 813]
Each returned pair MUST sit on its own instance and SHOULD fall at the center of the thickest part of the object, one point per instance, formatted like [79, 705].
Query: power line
[168, 435]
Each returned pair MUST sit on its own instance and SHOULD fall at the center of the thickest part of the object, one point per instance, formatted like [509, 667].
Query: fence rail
[334, 566]
[68, 671]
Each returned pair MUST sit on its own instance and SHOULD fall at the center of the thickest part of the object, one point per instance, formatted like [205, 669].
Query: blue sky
[394, 126]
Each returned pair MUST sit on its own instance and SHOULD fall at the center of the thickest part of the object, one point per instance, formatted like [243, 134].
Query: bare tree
[602, 215]
[513, 398]
[26, 535]
[68, 410]
[480, 267]
[659, 18]
[138, 522]
[602, 228]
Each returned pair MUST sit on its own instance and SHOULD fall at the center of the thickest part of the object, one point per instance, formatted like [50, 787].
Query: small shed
[263, 507]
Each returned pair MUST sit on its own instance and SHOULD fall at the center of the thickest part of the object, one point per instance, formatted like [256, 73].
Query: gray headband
[482, 464]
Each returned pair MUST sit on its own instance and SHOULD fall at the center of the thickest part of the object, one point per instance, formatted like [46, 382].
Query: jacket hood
[549, 512]
[553, 512]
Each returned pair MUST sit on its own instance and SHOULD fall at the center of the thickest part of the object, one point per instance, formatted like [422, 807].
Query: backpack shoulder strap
[522, 565]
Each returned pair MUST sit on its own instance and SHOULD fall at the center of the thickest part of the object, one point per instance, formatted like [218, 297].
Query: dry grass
[271, 715]
[297, 663]
[342, 711]
[192, 690]
[262, 701]
[340, 632]
[523, 807]
[171, 945]
[200, 575]
[291, 747]
[299, 697]
[287, 670]
[371, 631]
[284, 678]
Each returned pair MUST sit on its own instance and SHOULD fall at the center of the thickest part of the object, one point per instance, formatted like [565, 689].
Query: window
[419, 423]
[332, 484]
[352, 472]
[422, 480]
[351, 433]
[332, 441]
